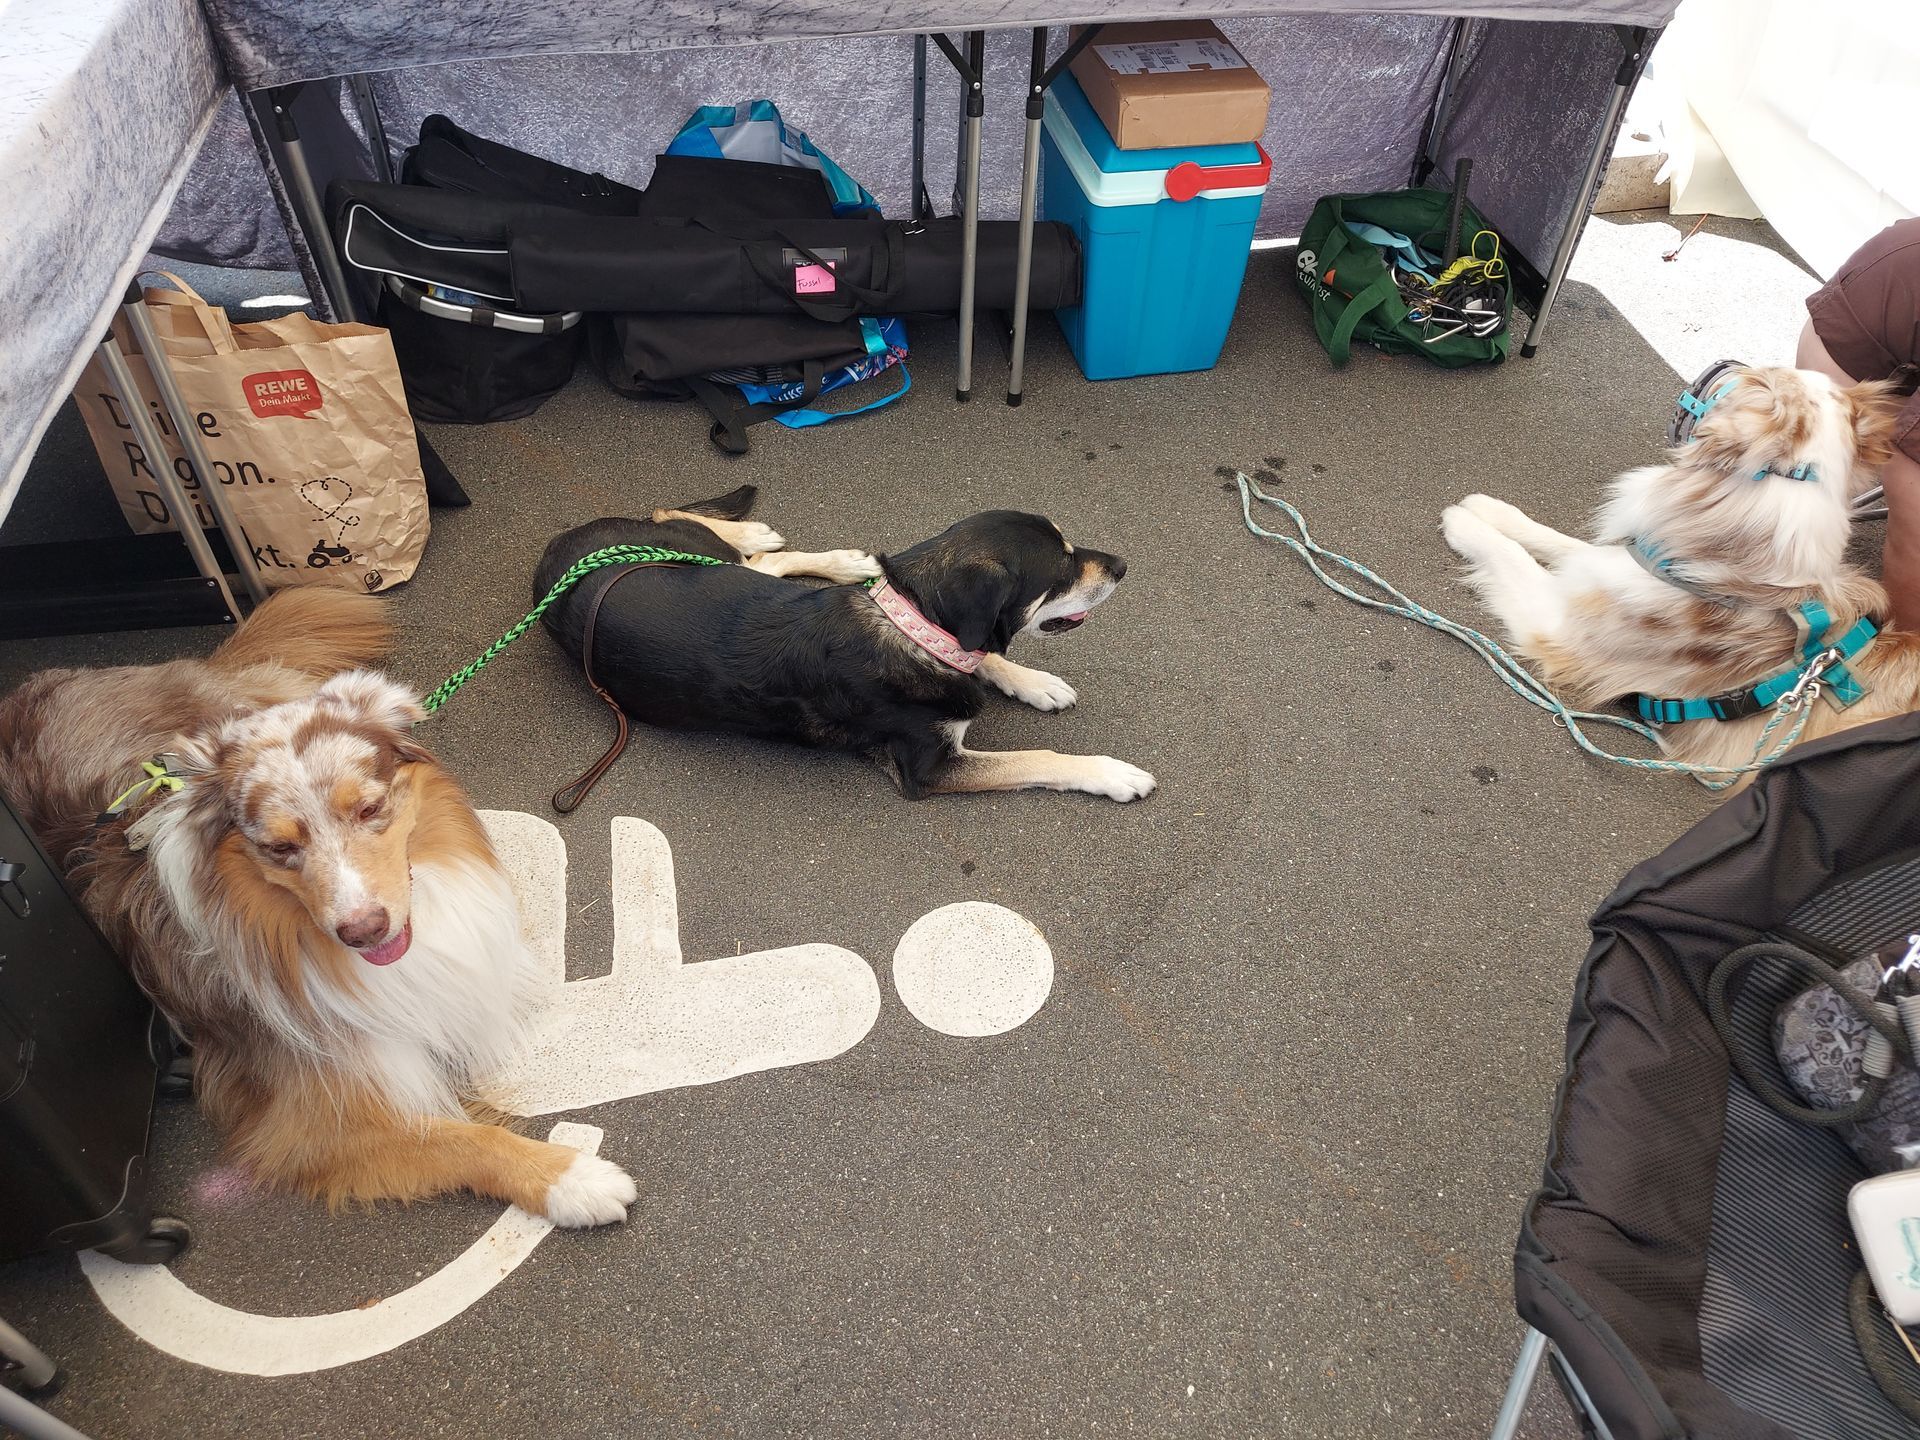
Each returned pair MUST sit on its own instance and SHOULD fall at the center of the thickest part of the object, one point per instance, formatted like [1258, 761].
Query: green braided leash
[578, 571]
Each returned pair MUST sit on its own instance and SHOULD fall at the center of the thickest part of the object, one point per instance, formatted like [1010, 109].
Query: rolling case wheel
[166, 1240]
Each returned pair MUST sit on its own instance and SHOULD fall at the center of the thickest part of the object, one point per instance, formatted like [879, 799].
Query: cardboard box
[1172, 82]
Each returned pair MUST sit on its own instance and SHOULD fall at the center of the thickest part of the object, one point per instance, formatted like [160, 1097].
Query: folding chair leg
[34, 1370]
[1526, 1371]
[28, 1420]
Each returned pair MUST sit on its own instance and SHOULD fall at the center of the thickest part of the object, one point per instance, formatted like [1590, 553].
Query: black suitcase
[81, 1051]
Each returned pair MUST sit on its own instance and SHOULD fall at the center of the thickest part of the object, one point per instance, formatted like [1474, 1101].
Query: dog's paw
[1465, 532]
[846, 567]
[753, 538]
[1042, 691]
[1118, 780]
[590, 1191]
[1497, 513]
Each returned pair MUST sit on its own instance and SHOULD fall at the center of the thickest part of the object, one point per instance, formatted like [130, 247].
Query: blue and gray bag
[804, 358]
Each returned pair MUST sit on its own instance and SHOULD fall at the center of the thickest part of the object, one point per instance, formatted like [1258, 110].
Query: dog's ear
[376, 700]
[1875, 406]
[971, 599]
[193, 757]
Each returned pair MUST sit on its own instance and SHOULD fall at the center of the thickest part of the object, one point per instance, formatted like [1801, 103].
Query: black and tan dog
[892, 672]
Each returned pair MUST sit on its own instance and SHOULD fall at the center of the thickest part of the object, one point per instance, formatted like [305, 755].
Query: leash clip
[1808, 687]
[1905, 965]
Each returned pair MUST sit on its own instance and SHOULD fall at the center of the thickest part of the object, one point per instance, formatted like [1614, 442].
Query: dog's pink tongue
[388, 951]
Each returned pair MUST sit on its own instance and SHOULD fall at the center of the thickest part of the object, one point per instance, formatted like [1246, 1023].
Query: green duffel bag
[1352, 293]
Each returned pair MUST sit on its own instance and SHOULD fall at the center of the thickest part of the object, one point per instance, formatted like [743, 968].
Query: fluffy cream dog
[1706, 573]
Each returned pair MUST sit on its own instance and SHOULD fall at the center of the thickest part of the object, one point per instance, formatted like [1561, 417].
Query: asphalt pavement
[1256, 1166]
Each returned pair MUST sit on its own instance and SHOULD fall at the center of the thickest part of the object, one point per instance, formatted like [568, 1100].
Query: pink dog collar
[908, 620]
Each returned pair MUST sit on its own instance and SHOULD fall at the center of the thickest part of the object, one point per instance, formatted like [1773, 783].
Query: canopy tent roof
[277, 42]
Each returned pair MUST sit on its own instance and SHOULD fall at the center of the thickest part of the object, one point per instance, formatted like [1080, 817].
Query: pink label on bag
[813, 279]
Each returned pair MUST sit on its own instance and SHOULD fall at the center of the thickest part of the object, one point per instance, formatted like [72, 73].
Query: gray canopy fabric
[1351, 96]
[277, 42]
[102, 102]
[101, 106]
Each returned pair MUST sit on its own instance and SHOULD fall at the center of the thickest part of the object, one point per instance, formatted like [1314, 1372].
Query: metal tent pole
[1634, 38]
[185, 519]
[1436, 135]
[369, 108]
[186, 426]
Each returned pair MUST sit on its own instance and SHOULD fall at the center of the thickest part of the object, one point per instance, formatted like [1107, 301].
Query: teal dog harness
[1821, 668]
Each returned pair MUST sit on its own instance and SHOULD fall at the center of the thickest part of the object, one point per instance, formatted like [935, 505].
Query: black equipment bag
[80, 1053]
[654, 354]
[449, 158]
[1688, 1251]
[541, 259]
[469, 358]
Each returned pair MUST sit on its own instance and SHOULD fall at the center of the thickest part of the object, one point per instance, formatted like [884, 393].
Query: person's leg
[1900, 558]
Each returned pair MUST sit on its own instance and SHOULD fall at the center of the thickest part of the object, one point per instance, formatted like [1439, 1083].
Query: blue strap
[1814, 622]
[805, 419]
[1697, 407]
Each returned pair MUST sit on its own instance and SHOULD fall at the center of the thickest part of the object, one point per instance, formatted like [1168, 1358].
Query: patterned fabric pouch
[1821, 1040]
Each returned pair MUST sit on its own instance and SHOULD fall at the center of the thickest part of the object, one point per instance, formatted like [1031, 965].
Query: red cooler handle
[1187, 179]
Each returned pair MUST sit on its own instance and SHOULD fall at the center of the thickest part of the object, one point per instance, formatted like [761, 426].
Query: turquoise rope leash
[1798, 701]
[576, 572]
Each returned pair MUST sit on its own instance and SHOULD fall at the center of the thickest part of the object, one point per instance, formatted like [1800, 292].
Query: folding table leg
[1525, 1371]
[1029, 198]
[1635, 39]
[178, 505]
[1040, 78]
[186, 427]
[970, 233]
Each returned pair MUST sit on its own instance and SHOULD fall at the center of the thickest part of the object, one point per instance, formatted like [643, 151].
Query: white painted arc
[158, 1308]
[654, 1022]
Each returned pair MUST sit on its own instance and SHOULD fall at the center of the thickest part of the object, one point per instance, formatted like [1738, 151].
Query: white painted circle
[973, 969]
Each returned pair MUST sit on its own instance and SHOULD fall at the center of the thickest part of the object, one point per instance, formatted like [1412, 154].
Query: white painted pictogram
[651, 1023]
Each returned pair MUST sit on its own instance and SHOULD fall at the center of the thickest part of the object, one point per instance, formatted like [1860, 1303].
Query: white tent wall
[1811, 102]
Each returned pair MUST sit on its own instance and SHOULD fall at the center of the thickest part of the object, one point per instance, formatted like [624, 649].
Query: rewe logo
[282, 392]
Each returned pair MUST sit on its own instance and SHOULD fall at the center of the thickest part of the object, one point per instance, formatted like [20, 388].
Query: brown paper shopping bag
[306, 429]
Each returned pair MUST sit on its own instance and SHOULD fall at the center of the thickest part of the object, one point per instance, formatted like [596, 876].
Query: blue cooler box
[1164, 234]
